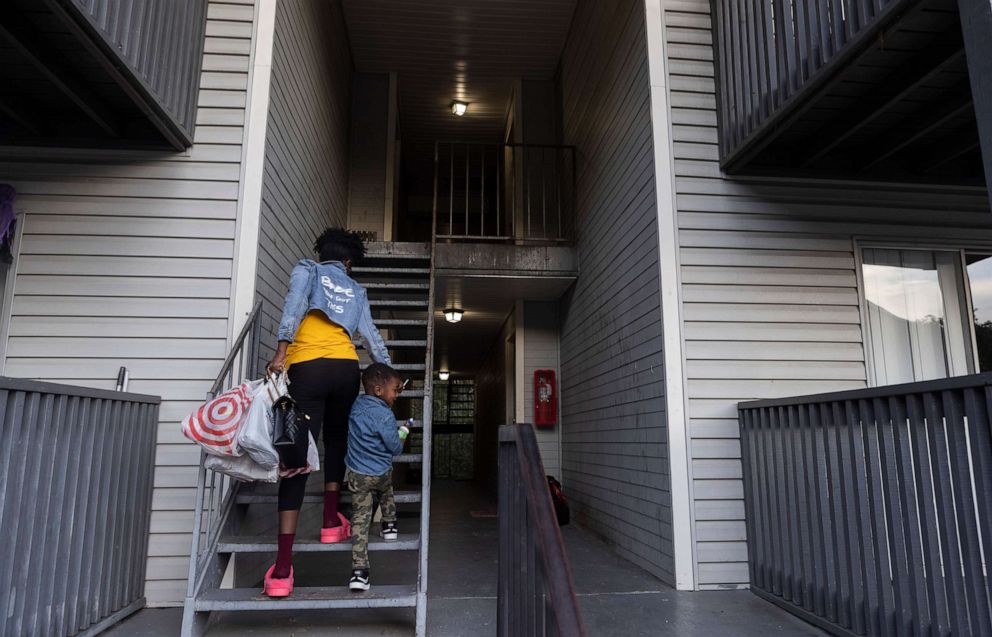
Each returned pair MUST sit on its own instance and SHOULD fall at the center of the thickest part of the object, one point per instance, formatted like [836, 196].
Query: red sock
[284, 558]
[331, 509]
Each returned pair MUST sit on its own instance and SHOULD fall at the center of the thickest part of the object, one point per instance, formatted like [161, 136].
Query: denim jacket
[373, 438]
[327, 287]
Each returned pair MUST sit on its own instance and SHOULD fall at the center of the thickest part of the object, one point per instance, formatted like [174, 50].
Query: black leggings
[324, 389]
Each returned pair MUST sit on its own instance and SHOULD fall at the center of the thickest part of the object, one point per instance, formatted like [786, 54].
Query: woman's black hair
[338, 244]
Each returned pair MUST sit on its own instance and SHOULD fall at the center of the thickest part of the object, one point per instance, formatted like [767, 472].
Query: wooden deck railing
[770, 53]
[536, 595]
[870, 512]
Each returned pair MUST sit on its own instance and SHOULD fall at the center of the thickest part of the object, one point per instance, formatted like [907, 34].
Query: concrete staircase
[397, 277]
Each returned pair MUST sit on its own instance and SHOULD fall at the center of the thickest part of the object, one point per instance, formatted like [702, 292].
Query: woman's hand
[290, 473]
[278, 363]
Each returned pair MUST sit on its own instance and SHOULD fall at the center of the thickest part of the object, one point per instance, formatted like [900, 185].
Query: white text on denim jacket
[335, 295]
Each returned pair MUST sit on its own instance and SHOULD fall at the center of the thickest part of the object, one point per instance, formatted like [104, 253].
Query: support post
[976, 26]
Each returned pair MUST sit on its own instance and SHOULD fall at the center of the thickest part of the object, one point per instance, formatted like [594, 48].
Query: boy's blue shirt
[373, 438]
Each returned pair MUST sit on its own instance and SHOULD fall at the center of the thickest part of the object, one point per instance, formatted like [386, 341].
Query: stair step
[251, 544]
[387, 322]
[398, 303]
[397, 250]
[401, 497]
[303, 597]
[391, 270]
[396, 286]
[407, 367]
[398, 343]
[408, 458]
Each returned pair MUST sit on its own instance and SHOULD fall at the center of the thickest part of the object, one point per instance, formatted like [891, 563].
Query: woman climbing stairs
[235, 519]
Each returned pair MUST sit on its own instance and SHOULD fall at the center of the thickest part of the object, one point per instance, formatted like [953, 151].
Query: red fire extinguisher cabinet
[545, 398]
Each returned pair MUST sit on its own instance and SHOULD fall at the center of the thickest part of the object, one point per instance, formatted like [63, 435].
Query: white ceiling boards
[446, 50]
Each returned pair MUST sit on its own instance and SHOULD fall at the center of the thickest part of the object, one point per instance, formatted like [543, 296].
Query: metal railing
[870, 512]
[504, 192]
[536, 595]
[769, 53]
[216, 492]
[76, 467]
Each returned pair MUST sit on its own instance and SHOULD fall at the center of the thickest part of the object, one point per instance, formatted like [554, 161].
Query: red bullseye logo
[216, 423]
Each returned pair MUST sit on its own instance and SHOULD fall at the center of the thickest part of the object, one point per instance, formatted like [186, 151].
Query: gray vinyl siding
[305, 180]
[540, 331]
[367, 166]
[128, 263]
[614, 437]
[769, 285]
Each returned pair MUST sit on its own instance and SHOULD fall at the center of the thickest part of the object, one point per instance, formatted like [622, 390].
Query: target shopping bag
[214, 424]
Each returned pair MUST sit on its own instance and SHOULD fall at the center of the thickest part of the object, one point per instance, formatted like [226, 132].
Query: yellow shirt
[319, 337]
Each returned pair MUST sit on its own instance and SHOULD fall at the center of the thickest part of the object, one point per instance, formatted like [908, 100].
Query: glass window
[980, 281]
[917, 328]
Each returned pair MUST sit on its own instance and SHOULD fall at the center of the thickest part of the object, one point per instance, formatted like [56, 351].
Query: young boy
[373, 440]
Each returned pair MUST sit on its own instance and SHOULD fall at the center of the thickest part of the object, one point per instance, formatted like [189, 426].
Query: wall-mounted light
[459, 108]
[444, 375]
[453, 315]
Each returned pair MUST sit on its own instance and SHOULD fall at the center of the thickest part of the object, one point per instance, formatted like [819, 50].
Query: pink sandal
[336, 534]
[278, 586]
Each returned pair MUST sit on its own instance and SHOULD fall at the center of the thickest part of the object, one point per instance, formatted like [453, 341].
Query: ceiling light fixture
[459, 108]
[444, 375]
[453, 315]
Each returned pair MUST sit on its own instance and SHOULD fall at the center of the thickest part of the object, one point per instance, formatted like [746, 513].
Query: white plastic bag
[313, 461]
[313, 458]
[255, 433]
[241, 468]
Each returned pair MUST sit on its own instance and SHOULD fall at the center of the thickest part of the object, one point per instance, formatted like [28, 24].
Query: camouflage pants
[362, 489]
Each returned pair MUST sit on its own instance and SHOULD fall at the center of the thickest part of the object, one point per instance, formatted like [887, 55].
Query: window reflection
[917, 330]
[980, 280]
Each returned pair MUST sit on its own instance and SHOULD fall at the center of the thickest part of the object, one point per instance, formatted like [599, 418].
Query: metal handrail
[535, 596]
[218, 494]
[504, 192]
[253, 326]
[888, 391]
[426, 438]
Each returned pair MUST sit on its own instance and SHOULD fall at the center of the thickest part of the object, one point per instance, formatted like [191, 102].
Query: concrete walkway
[616, 597]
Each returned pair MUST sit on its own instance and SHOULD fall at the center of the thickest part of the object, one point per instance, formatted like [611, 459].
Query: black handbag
[290, 433]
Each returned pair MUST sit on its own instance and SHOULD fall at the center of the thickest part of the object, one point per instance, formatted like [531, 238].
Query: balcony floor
[617, 598]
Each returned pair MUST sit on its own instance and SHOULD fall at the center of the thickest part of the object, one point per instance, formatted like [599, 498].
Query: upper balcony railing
[523, 193]
[772, 52]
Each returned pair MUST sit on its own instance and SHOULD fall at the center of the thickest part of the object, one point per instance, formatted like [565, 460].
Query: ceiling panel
[470, 50]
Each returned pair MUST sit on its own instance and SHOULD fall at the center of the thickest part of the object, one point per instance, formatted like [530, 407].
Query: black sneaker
[359, 580]
[389, 532]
